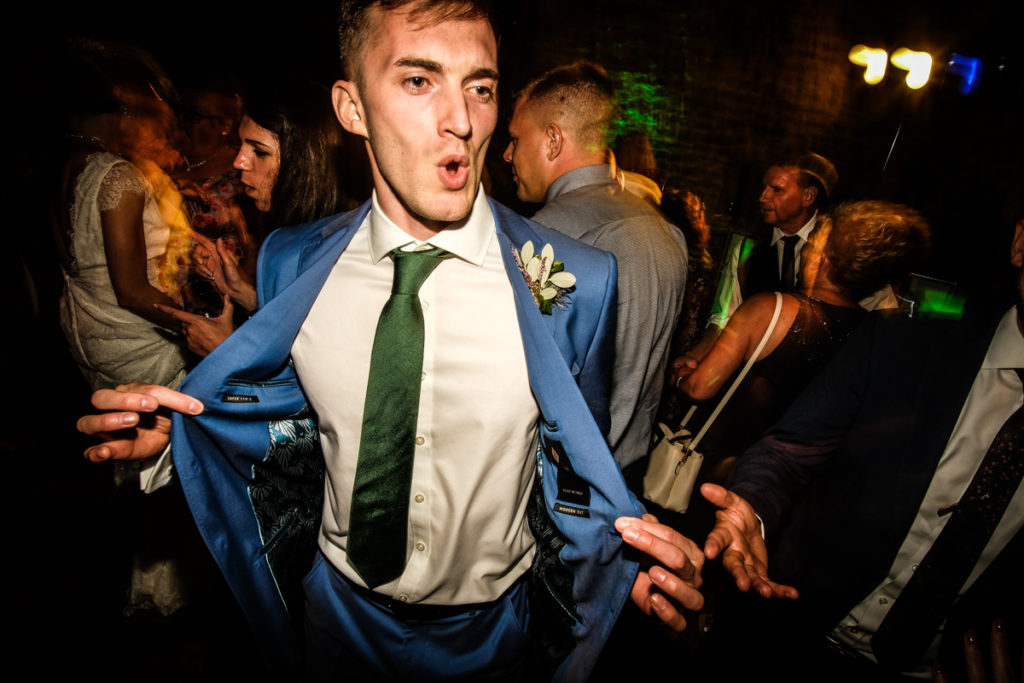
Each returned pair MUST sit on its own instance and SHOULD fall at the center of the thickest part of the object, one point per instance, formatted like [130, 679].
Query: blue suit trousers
[352, 638]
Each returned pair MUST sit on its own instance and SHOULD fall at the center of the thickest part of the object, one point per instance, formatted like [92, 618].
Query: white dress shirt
[728, 296]
[468, 537]
[995, 395]
[803, 233]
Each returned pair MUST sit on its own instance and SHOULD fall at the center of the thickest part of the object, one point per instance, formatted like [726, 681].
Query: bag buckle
[682, 461]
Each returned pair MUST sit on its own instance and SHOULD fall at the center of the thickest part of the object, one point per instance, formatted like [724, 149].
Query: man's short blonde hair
[580, 97]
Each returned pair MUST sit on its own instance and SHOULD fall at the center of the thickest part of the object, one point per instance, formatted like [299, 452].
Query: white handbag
[674, 459]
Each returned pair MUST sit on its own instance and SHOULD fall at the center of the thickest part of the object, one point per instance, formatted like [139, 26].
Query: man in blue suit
[510, 561]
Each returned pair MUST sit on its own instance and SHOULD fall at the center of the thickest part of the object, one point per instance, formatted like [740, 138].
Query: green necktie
[378, 519]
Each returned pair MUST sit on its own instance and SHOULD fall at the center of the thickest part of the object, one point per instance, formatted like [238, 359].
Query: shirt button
[421, 546]
[425, 305]
[419, 498]
[423, 376]
[420, 441]
[883, 601]
[402, 598]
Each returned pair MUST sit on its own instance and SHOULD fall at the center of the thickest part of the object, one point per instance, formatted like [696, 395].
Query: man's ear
[554, 140]
[348, 108]
[810, 194]
[1017, 248]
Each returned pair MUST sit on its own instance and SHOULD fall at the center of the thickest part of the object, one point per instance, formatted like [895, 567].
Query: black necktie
[923, 604]
[378, 518]
[788, 277]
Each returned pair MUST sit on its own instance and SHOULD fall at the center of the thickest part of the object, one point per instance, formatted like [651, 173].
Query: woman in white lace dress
[127, 241]
[118, 261]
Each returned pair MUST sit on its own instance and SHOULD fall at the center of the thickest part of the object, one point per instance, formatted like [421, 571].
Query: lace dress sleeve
[123, 178]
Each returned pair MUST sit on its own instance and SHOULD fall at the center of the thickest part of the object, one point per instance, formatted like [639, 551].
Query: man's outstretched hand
[671, 577]
[737, 539]
[137, 423]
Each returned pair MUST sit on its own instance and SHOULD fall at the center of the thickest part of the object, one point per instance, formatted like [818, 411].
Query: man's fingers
[650, 524]
[733, 562]
[145, 398]
[672, 583]
[760, 585]
[750, 575]
[720, 538]
[118, 449]
[98, 453]
[719, 496]
[670, 551]
[667, 613]
[782, 591]
[167, 398]
[654, 604]
[116, 399]
[679, 590]
[125, 404]
[96, 425]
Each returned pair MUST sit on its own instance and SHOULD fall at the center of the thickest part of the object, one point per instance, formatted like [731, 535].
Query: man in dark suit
[888, 495]
[795, 194]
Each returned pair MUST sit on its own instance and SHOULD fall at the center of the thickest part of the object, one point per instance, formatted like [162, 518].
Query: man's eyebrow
[418, 63]
[435, 67]
[482, 72]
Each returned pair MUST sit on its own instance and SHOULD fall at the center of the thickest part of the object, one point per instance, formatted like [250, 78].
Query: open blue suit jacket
[252, 469]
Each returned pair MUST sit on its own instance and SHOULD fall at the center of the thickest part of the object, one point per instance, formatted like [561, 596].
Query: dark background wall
[725, 87]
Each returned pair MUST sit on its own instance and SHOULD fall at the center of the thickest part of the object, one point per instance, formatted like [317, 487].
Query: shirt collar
[593, 174]
[1007, 347]
[468, 239]
[803, 233]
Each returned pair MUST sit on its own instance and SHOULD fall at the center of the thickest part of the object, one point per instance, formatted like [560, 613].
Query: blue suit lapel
[592, 550]
[547, 364]
[273, 328]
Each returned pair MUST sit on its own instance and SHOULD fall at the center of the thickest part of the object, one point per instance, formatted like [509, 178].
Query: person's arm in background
[702, 372]
[125, 246]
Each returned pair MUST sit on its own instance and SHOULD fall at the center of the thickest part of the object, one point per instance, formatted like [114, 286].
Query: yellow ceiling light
[918, 66]
[872, 59]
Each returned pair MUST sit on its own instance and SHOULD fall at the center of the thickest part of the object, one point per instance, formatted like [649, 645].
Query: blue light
[969, 70]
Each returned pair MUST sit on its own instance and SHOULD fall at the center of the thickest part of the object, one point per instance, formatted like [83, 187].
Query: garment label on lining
[239, 398]
[569, 510]
[571, 487]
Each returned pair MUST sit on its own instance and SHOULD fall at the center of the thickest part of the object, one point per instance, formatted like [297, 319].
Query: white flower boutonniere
[547, 278]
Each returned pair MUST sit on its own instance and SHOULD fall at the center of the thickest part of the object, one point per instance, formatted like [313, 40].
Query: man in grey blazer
[559, 155]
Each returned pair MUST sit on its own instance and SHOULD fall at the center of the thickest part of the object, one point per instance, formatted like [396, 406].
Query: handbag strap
[739, 377]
